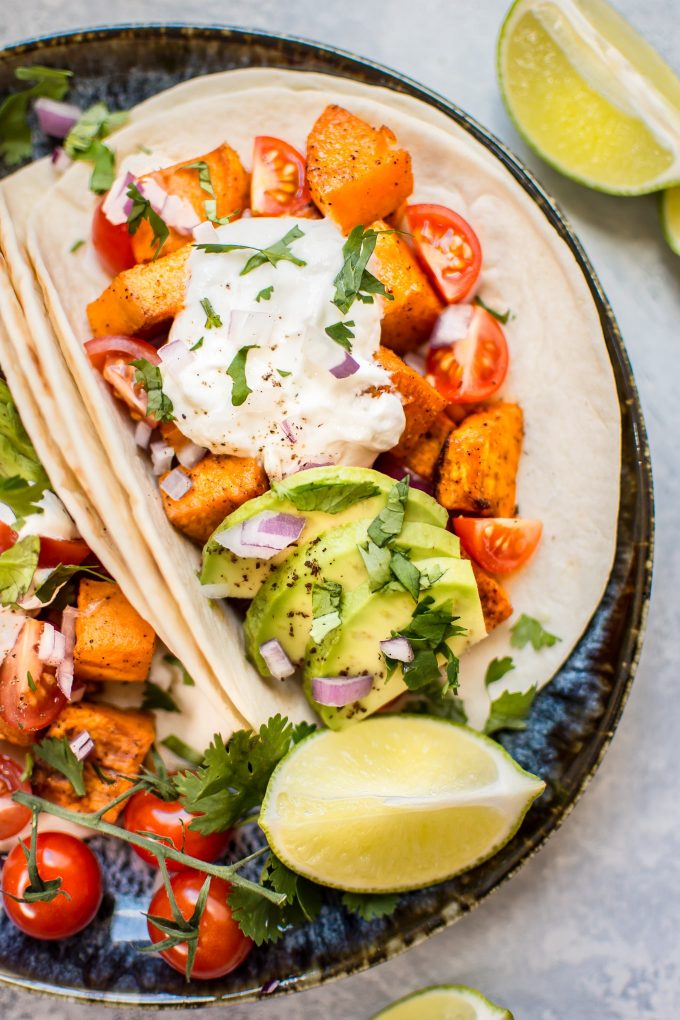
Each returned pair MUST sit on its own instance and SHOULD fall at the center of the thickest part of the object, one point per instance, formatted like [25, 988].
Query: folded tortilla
[559, 373]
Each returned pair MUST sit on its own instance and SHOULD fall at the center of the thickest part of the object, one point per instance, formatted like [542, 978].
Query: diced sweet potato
[422, 403]
[230, 184]
[496, 605]
[424, 456]
[410, 317]
[122, 739]
[220, 485]
[113, 642]
[140, 300]
[356, 173]
[477, 471]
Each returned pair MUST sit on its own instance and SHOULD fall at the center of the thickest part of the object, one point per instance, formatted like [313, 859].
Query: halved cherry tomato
[70, 551]
[447, 247]
[112, 243]
[111, 356]
[499, 544]
[222, 946]
[21, 707]
[58, 855]
[8, 537]
[278, 184]
[13, 817]
[147, 813]
[470, 370]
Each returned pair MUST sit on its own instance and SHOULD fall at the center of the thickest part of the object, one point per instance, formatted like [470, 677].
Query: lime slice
[670, 218]
[444, 1002]
[394, 803]
[590, 95]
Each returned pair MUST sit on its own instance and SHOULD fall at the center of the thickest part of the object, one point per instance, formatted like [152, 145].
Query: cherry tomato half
[499, 544]
[112, 243]
[448, 248]
[21, 707]
[58, 855]
[111, 356]
[147, 813]
[470, 370]
[279, 180]
[70, 551]
[13, 816]
[8, 537]
[222, 946]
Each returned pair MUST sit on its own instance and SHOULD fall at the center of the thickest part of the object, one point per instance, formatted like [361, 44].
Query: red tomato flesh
[147, 813]
[54, 551]
[112, 243]
[20, 707]
[447, 247]
[471, 370]
[59, 855]
[222, 946]
[499, 544]
[279, 180]
[111, 356]
[13, 817]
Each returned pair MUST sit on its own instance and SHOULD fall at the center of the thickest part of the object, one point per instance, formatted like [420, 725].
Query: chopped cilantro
[149, 377]
[172, 660]
[377, 563]
[18, 564]
[182, 750]
[15, 132]
[85, 142]
[354, 281]
[197, 346]
[283, 373]
[406, 573]
[60, 575]
[428, 633]
[76, 245]
[143, 210]
[501, 316]
[497, 668]
[331, 497]
[210, 203]
[240, 390]
[212, 319]
[154, 697]
[57, 754]
[510, 710]
[262, 920]
[370, 906]
[277, 252]
[389, 522]
[326, 602]
[32, 686]
[21, 496]
[265, 294]
[342, 334]
[430, 699]
[527, 629]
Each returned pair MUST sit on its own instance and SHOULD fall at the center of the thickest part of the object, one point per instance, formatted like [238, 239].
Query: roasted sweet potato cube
[410, 317]
[122, 738]
[496, 605]
[113, 642]
[422, 403]
[229, 182]
[220, 485]
[140, 300]
[424, 456]
[477, 470]
[356, 173]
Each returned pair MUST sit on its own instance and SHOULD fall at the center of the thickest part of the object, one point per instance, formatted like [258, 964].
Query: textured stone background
[591, 928]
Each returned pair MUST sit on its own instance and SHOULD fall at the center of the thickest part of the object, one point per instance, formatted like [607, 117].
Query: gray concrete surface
[591, 928]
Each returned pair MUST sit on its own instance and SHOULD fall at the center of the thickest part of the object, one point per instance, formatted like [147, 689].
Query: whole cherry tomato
[145, 812]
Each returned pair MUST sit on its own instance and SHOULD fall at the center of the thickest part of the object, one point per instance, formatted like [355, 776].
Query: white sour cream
[53, 522]
[294, 395]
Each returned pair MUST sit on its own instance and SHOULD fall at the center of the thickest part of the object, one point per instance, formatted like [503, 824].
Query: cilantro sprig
[143, 210]
[15, 131]
[428, 633]
[158, 403]
[354, 282]
[85, 141]
[280, 251]
[528, 630]
[56, 753]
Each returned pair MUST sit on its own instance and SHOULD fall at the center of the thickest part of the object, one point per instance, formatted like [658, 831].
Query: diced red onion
[250, 327]
[78, 693]
[82, 745]
[277, 662]
[65, 667]
[287, 430]
[190, 454]
[176, 484]
[452, 325]
[309, 464]
[175, 355]
[398, 648]
[348, 366]
[143, 433]
[270, 986]
[60, 161]
[52, 646]
[180, 214]
[262, 536]
[205, 233]
[337, 691]
[56, 118]
[161, 456]
[389, 465]
[153, 193]
[416, 361]
[117, 204]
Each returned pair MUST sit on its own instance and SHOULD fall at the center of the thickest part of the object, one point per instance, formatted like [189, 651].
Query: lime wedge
[590, 95]
[444, 1002]
[394, 803]
[670, 218]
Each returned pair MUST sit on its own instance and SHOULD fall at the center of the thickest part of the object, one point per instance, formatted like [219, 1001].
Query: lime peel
[444, 1002]
[670, 218]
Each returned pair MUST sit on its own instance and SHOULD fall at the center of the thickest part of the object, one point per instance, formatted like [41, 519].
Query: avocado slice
[347, 493]
[369, 618]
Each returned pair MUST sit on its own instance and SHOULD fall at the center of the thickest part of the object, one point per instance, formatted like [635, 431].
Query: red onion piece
[287, 430]
[398, 648]
[161, 456]
[180, 214]
[452, 325]
[143, 433]
[191, 454]
[175, 355]
[262, 536]
[176, 484]
[153, 193]
[82, 745]
[416, 361]
[60, 161]
[56, 118]
[52, 646]
[348, 366]
[389, 465]
[277, 662]
[117, 205]
[65, 667]
[270, 986]
[337, 691]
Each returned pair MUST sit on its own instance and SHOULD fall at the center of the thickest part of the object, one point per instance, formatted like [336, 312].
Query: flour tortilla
[560, 372]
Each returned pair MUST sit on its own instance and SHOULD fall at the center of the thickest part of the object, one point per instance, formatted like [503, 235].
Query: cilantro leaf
[527, 629]
[60, 575]
[172, 660]
[331, 497]
[15, 132]
[282, 372]
[234, 777]
[240, 390]
[389, 522]
[430, 699]
[154, 697]
[326, 602]
[18, 564]
[56, 753]
[501, 316]
[369, 906]
[277, 252]
[149, 377]
[76, 245]
[406, 573]
[197, 346]
[263, 921]
[265, 294]
[354, 281]
[301, 730]
[182, 750]
[143, 210]
[428, 633]
[377, 563]
[497, 668]
[21, 496]
[342, 334]
[258, 918]
[510, 710]
[210, 203]
[212, 319]
[85, 141]
[17, 453]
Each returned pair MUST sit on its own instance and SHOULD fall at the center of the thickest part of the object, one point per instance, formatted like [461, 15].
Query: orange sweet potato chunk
[220, 485]
[356, 173]
[410, 316]
[113, 642]
[140, 300]
[422, 403]
[496, 606]
[424, 456]
[230, 183]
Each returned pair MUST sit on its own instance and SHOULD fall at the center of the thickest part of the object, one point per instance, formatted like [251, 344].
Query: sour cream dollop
[297, 412]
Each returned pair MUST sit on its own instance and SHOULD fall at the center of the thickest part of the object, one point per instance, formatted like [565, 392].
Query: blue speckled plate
[572, 720]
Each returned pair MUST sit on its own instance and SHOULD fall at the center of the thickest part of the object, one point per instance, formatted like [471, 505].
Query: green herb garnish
[143, 210]
[182, 750]
[327, 496]
[370, 906]
[59, 577]
[510, 710]
[209, 204]
[428, 633]
[501, 316]
[85, 142]
[57, 754]
[76, 245]
[212, 319]
[389, 522]
[326, 602]
[354, 282]
[497, 668]
[265, 294]
[17, 453]
[529, 630]
[21, 496]
[277, 252]
[240, 390]
[154, 697]
[342, 334]
[15, 132]
[158, 403]
[172, 660]
[18, 565]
